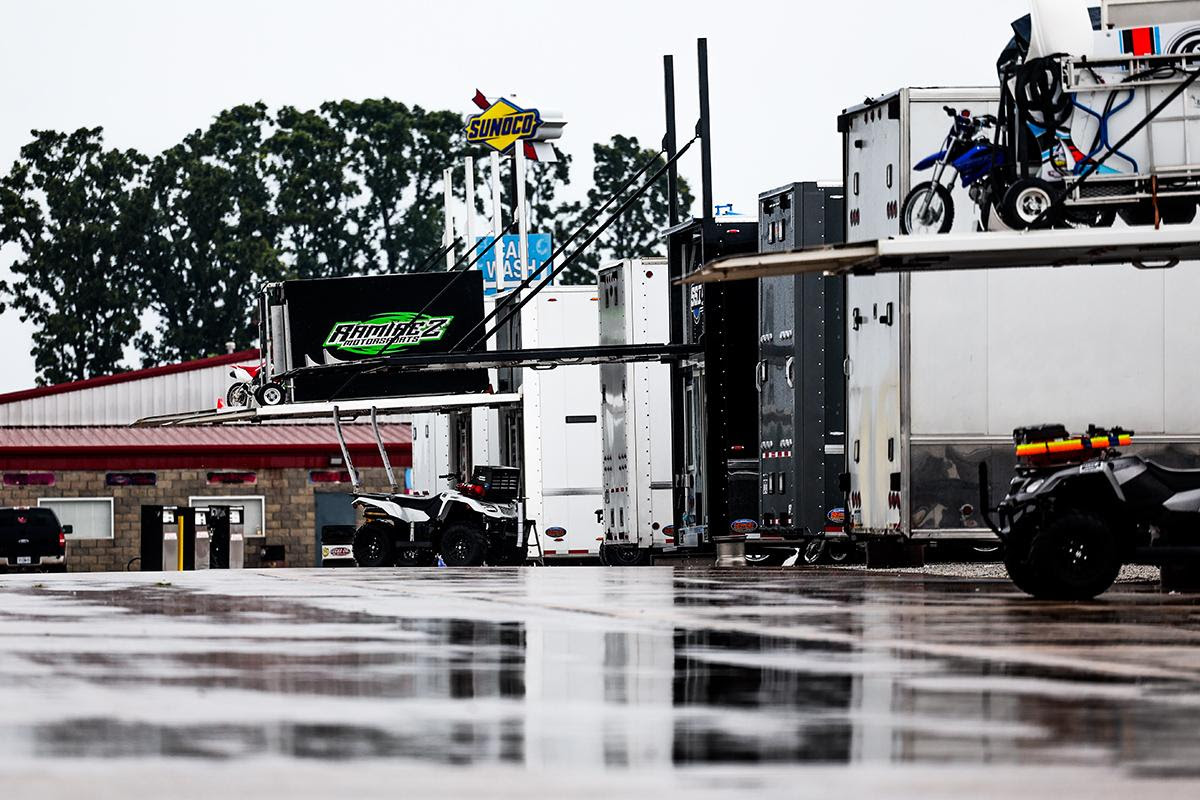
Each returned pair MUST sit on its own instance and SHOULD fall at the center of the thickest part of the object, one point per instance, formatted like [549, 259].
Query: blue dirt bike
[929, 207]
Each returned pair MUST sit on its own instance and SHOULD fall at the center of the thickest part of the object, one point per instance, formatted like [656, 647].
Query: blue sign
[508, 251]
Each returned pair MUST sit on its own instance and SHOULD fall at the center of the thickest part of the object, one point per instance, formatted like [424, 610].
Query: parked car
[32, 539]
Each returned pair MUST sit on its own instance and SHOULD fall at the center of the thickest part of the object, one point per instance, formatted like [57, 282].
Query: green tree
[77, 215]
[636, 234]
[397, 155]
[315, 196]
[214, 238]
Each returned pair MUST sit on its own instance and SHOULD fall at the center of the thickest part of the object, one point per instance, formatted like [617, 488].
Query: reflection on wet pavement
[650, 676]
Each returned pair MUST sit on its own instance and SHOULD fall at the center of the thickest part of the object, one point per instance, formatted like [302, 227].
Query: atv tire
[373, 545]
[1016, 561]
[1074, 556]
[463, 546]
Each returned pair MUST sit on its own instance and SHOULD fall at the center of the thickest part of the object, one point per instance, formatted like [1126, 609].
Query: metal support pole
[337, 429]
[704, 131]
[469, 188]
[448, 236]
[387, 465]
[669, 139]
[497, 224]
[521, 209]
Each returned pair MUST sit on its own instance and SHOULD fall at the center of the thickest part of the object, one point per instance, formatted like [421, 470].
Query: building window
[130, 479]
[227, 478]
[89, 517]
[254, 505]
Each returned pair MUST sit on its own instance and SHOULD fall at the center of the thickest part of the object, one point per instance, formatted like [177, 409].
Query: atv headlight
[1033, 486]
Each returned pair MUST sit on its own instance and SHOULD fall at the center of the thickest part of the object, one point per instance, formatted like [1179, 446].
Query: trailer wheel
[840, 552]
[413, 556]
[238, 396]
[373, 545]
[1024, 203]
[814, 552]
[463, 546]
[269, 394]
[624, 555]
[938, 217]
[1073, 557]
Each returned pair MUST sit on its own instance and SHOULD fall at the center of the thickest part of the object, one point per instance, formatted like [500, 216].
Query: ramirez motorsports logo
[386, 333]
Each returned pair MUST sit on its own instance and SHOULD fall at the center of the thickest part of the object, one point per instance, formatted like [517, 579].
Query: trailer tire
[1075, 556]
[625, 555]
[413, 556]
[908, 209]
[373, 545]
[839, 552]
[463, 546]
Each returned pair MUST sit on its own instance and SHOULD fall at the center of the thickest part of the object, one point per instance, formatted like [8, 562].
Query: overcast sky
[150, 72]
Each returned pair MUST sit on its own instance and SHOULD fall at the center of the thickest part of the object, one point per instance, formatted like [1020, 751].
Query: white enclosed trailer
[942, 366]
[560, 424]
[636, 412]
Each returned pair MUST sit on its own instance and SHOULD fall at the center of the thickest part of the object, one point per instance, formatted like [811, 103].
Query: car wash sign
[508, 254]
[502, 124]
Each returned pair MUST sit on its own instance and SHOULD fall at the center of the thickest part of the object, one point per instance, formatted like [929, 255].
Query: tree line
[124, 257]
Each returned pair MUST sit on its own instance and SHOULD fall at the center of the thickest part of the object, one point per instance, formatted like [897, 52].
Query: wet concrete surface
[591, 682]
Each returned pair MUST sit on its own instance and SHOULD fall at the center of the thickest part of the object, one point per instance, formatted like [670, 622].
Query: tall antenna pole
[669, 139]
[704, 129]
[448, 238]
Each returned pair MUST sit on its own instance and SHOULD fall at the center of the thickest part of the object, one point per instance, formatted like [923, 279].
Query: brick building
[68, 447]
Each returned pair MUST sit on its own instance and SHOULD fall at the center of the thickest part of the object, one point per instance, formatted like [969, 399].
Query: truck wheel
[373, 546]
[463, 546]
[839, 552]
[1074, 557]
[938, 216]
[624, 555]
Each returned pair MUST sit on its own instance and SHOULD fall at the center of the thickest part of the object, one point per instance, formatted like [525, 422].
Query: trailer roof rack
[345, 409]
[1144, 247]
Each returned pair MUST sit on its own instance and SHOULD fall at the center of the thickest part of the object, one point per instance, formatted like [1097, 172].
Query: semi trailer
[800, 382]
[942, 366]
[638, 512]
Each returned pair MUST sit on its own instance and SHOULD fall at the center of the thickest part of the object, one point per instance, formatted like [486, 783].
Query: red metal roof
[245, 356]
[244, 446]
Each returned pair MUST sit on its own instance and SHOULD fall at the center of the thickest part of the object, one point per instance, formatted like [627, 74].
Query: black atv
[1078, 509]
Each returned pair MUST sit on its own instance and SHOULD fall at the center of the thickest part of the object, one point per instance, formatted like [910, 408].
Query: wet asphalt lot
[591, 682]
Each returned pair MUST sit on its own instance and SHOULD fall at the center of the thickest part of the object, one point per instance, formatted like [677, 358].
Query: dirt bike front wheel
[928, 208]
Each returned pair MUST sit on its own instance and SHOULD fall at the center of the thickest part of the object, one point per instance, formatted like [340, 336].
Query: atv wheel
[463, 546]
[238, 396]
[1074, 557]
[624, 555]
[1025, 202]
[1017, 563]
[269, 394]
[373, 545]
[937, 217]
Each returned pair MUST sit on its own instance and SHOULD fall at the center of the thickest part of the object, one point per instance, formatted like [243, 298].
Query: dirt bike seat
[1177, 480]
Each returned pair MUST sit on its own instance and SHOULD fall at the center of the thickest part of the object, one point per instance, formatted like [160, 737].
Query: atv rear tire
[463, 546]
[373, 545]
[1074, 557]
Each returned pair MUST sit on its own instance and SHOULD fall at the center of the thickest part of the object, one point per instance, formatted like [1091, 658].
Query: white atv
[472, 523]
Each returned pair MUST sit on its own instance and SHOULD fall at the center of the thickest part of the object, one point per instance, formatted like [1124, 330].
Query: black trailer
[800, 380]
[715, 407]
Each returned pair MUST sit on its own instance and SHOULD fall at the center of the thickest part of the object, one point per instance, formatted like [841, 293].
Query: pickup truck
[32, 539]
